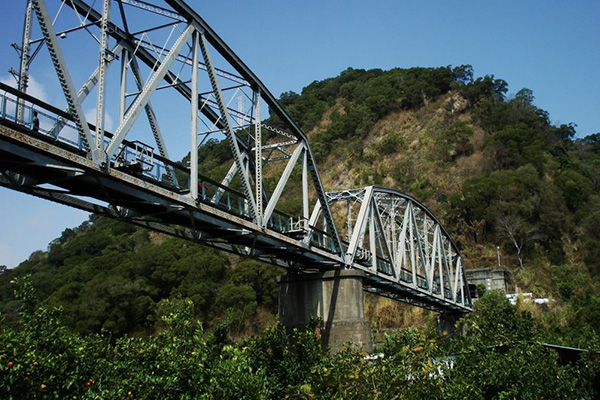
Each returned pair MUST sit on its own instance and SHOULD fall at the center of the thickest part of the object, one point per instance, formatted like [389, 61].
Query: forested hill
[489, 164]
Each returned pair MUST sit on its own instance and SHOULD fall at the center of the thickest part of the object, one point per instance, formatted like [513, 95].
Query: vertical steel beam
[194, 117]
[348, 220]
[464, 289]
[372, 242]
[457, 273]
[431, 262]
[305, 201]
[123, 84]
[458, 287]
[100, 155]
[258, 178]
[25, 56]
[440, 254]
[413, 253]
[425, 233]
[451, 283]
[392, 230]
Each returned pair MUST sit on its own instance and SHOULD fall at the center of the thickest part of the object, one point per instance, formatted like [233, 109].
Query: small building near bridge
[492, 278]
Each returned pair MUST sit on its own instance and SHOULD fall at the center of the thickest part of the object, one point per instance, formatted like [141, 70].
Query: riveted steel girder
[175, 57]
[395, 236]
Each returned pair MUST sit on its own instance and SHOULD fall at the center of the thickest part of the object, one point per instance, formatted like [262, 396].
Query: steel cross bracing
[172, 104]
[394, 238]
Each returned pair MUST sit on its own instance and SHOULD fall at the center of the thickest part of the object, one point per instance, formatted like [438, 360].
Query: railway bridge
[142, 84]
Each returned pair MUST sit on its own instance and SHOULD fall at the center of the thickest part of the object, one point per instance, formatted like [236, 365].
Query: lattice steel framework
[181, 82]
[393, 236]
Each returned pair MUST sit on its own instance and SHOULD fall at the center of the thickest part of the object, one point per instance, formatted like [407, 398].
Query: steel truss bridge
[160, 81]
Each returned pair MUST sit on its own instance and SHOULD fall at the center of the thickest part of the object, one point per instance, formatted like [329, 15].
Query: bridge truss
[177, 91]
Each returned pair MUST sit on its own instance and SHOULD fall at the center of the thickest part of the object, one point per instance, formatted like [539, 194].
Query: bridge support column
[447, 322]
[335, 297]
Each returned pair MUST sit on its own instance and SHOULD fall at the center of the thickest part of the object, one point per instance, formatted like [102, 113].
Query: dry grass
[156, 237]
[387, 314]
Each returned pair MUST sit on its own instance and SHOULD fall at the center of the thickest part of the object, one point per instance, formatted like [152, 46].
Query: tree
[455, 141]
[514, 228]
[501, 357]
[576, 188]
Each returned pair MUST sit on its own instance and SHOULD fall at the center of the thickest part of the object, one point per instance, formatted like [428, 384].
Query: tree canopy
[489, 164]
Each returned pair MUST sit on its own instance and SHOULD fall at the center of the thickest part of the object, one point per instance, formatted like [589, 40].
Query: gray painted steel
[403, 250]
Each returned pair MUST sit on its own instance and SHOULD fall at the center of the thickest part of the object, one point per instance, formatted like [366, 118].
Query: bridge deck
[403, 249]
[37, 164]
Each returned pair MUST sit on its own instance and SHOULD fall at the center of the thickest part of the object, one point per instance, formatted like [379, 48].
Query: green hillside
[108, 276]
[489, 164]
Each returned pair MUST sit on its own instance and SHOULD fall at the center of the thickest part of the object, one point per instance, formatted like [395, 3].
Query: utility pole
[498, 254]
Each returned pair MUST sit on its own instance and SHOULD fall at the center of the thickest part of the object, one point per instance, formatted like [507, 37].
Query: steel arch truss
[148, 89]
[392, 236]
[168, 54]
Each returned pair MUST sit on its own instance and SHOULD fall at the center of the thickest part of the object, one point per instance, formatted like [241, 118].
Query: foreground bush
[498, 358]
[46, 360]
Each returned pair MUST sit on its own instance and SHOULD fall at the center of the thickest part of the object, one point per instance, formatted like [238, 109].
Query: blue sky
[549, 46]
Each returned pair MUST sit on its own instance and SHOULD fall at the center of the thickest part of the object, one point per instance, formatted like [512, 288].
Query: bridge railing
[138, 158]
[49, 124]
[222, 197]
[296, 227]
[57, 126]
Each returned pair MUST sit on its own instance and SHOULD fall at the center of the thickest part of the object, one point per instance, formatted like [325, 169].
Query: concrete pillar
[335, 297]
[448, 322]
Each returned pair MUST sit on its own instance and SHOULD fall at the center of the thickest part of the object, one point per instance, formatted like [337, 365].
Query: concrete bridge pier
[336, 298]
[448, 322]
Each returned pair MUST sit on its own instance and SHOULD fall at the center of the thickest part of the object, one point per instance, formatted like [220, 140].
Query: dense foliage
[365, 97]
[490, 165]
[110, 276]
[499, 357]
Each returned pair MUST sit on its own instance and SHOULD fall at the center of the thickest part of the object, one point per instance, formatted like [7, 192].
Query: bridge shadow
[327, 336]
[336, 298]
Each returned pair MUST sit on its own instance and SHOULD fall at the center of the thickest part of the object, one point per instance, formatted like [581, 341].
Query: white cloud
[90, 115]
[34, 88]
[8, 80]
